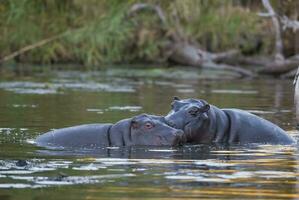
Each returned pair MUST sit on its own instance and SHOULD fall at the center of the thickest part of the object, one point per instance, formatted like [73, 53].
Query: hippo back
[82, 136]
[248, 128]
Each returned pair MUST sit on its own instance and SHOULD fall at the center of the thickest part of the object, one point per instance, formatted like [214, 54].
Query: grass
[100, 32]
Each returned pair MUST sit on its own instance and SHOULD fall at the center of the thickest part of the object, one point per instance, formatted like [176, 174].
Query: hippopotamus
[296, 96]
[140, 130]
[205, 123]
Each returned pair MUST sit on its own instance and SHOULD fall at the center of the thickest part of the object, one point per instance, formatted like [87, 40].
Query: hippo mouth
[177, 139]
[173, 125]
[162, 141]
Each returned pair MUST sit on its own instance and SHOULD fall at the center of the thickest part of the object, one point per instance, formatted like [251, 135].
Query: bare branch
[288, 23]
[241, 71]
[30, 47]
[144, 6]
[264, 14]
[278, 40]
[289, 75]
[216, 57]
[181, 51]
[278, 68]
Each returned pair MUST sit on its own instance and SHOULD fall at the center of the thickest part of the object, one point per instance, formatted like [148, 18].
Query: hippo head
[152, 130]
[189, 115]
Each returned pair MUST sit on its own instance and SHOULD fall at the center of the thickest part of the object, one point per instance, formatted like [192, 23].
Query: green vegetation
[97, 32]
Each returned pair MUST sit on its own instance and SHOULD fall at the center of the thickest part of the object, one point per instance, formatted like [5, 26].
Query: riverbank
[104, 32]
[101, 32]
[26, 71]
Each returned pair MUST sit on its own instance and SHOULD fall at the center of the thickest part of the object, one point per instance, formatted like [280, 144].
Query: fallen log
[180, 51]
[279, 67]
[186, 54]
[290, 74]
[254, 61]
[241, 71]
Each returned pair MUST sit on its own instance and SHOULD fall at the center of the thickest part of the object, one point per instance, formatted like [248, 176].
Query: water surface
[31, 106]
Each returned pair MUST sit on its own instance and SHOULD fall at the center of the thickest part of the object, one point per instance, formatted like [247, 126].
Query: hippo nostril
[180, 138]
[171, 123]
[180, 132]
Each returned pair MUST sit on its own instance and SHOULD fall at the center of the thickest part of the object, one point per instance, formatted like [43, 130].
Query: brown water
[31, 106]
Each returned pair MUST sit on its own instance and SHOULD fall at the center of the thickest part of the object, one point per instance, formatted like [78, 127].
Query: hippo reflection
[140, 130]
[204, 123]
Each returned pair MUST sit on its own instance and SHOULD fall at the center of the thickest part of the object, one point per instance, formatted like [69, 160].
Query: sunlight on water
[29, 108]
[235, 91]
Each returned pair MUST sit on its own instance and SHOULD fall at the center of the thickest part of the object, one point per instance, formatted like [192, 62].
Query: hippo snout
[170, 123]
[174, 121]
[180, 138]
[179, 133]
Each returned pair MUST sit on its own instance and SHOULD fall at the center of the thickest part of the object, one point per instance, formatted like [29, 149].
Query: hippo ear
[134, 124]
[176, 98]
[120, 133]
[205, 108]
[194, 111]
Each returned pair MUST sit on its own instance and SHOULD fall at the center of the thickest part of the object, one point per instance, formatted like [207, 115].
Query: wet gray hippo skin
[140, 130]
[204, 123]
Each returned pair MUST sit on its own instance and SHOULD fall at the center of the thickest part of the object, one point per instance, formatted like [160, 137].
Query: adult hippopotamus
[204, 123]
[140, 130]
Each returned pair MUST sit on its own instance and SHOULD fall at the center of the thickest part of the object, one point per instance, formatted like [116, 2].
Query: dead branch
[241, 71]
[278, 40]
[288, 23]
[218, 57]
[278, 68]
[30, 47]
[144, 6]
[290, 74]
[255, 61]
[179, 50]
[187, 54]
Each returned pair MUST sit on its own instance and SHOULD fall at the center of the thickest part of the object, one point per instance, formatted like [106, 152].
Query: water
[31, 106]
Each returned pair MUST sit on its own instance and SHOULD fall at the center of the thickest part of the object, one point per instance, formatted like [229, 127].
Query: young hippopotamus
[140, 130]
[204, 123]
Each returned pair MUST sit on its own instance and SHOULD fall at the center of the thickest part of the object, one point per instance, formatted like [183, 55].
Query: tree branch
[278, 40]
[278, 68]
[288, 23]
[30, 47]
[144, 6]
[241, 71]
[181, 51]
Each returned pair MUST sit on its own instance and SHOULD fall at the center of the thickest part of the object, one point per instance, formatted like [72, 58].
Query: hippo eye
[193, 112]
[148, 125]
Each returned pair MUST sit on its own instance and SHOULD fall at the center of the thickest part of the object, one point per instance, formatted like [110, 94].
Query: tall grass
[99, 31]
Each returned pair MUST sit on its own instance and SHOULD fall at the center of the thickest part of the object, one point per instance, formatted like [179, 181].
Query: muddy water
[31, 106]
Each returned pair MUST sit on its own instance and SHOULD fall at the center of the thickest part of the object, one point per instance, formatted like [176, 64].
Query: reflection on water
[263, 171]
[28, 108]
